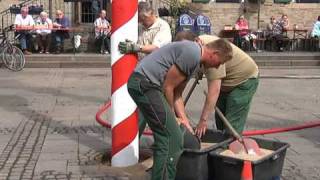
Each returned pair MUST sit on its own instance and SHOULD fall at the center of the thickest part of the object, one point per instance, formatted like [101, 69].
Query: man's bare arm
[211, 100]
[172, 80]
[178, 101]
[180, 108]
[174, 84]
[148, 48]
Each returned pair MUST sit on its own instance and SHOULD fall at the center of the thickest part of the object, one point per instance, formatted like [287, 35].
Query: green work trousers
[235, 104]
[168, 139]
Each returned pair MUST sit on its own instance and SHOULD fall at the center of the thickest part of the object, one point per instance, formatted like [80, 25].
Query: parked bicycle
[12, 57]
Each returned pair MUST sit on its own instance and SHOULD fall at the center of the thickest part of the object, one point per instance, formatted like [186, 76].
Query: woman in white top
[43, 25]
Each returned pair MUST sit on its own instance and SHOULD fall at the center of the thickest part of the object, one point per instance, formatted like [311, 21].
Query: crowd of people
[44, 30]
[44, 35]
[275, 31]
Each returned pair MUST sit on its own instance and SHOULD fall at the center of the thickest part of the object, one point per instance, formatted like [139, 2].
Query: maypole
[124, 117]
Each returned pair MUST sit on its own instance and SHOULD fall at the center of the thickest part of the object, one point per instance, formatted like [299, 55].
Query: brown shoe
[26, 52]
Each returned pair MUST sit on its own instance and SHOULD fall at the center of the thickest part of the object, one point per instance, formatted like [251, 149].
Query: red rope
[312, 124]
[100, 112]
[284, 129]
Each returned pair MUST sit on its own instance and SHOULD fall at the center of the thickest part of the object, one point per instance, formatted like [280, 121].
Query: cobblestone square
[48, 128]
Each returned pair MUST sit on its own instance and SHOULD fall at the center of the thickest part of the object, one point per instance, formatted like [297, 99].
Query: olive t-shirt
[234, 72]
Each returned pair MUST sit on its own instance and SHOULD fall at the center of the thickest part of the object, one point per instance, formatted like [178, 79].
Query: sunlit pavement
[48, 128]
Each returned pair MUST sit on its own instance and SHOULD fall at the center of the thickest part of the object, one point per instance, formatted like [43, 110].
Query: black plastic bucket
[267, 168]
[193, 164]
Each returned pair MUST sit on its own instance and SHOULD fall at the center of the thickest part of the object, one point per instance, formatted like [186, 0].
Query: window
[228, 1]
[282, 1]
[90, 10]
[307, 1]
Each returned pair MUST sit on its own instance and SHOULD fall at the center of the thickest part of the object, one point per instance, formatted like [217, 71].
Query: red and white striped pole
[125, 149]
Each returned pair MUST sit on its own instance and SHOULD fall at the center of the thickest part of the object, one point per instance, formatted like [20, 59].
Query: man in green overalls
[156, 86]
[230, 87]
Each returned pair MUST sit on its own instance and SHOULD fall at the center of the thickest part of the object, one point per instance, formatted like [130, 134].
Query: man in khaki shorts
[230, 87]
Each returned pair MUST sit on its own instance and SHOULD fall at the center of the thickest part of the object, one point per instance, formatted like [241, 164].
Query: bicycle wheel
[13, 58]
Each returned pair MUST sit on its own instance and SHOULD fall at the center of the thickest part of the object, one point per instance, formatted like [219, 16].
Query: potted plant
[178, 7]
[163, 11]
[282, 1]
[256, 1]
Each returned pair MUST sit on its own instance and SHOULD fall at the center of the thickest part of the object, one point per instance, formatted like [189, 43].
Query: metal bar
[198, 77]
[50, 9]
[259, 7]
[229, 126]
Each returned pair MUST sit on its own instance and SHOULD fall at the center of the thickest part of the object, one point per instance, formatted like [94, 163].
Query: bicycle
[12, 57]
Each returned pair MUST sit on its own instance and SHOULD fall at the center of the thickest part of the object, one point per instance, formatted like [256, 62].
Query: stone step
[68, 64]
[286, 62]
[92, 60]
[285, 56]
[67, 57]
[288, 67]
[105, 64]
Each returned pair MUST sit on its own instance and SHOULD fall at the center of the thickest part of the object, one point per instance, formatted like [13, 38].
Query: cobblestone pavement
[48, 130]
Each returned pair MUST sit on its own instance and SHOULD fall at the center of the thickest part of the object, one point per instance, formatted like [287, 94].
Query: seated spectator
[62, 24]
[23, 24]
[243, 26]
[278, 30]
[316, 29]
[43, 25]
[270, 26]
[102, 33]
[285, 22]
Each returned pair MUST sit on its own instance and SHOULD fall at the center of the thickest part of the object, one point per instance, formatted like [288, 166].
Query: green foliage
[177, 7]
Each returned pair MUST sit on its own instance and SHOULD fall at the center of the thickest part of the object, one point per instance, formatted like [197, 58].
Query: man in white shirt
[153, 34]
[43, 26]
[102, 32]
[23, 24]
